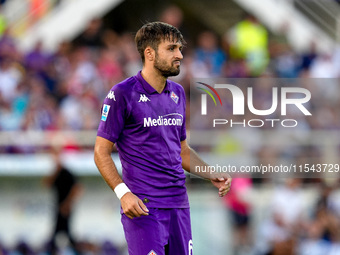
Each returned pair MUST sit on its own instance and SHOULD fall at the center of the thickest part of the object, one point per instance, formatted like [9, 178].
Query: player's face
[168, 58]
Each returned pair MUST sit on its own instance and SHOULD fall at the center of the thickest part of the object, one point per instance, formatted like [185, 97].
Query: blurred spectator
[10, 77]
[41, 112]
[50, 77]
[210, 53]
[248, 40]
[93, 35]
[67, 191]
[36, 59]
[9, 120]
[108, 67]
[71, 110]
[61, 60]
[323, 230]
[314, 244]
[323, 67]
[195, 68]
[83, 73]
[3, 22]
[130, 58]
[172, 15]
[7, 45]
[326, 71]
[327, 214]
[238, 203]
[286, 63]
[236, 69]
[285, 221]
[307, 58]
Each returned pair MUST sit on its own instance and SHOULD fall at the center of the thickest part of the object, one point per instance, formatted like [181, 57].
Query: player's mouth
[177, 62]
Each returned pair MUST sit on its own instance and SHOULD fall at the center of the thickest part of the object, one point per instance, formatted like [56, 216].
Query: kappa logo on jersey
[174, 97]
[152, 253]
[111, 95]
[105, 112]
[143, 98]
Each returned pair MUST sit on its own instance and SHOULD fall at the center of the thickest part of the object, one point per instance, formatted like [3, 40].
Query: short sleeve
[113, 115]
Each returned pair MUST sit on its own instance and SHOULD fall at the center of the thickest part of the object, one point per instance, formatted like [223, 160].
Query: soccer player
[144, 116]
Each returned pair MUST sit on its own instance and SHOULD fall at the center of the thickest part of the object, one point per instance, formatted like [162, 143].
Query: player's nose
[179, 54]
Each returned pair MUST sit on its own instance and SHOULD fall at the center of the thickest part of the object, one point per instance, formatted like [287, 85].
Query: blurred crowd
[64, 89]
[291, 224]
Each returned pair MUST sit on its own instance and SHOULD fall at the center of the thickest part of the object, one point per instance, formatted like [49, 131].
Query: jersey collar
[148, 88]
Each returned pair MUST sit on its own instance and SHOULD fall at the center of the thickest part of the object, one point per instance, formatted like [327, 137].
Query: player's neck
[155, 80]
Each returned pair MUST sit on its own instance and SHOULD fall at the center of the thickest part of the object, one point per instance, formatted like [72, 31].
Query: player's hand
[223, 184]
[133, 206]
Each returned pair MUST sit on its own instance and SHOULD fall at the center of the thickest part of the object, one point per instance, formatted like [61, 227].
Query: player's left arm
[191, 160]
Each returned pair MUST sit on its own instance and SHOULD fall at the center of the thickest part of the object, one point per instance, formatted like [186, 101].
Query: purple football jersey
[148, 128]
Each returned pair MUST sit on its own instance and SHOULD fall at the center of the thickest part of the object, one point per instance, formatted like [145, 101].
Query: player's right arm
[132, 206]
[115, 110]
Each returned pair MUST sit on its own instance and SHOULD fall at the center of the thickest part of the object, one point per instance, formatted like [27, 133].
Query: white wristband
[121, 189]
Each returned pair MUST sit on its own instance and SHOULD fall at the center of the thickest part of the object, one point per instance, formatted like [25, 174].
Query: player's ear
[149, 53]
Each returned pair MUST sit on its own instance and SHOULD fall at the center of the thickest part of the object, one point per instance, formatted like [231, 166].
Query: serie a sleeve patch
[105, 112]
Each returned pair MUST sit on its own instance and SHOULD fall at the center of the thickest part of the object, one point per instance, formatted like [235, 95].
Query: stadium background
[59, 59]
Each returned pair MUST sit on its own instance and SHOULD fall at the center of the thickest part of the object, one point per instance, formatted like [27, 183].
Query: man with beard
[145, 117]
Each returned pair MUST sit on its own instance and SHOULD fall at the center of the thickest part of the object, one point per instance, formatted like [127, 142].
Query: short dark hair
[153, 33]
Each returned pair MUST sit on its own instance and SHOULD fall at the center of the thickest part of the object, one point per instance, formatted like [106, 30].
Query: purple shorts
[162, 232]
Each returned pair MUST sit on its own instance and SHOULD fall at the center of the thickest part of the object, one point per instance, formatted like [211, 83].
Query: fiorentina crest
[174, 97]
